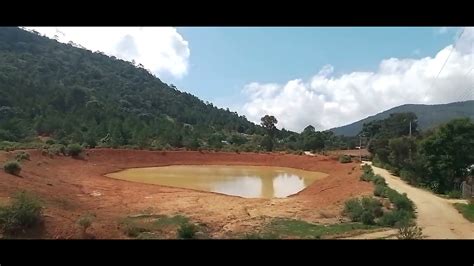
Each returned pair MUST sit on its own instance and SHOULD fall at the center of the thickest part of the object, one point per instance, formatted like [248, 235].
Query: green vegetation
[454, 194]
[369, 210]
[187, 231]
[22, 156]
[24, 212]
[74, 149]
[159, 226]
[289, 228]
[467, 210]
[429, 116]
[438, 159]
[85, 222]
[12, 167]
[345, 159]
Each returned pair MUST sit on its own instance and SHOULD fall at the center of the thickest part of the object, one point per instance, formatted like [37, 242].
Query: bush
[378, 180]
[85, 222]
[353, 209]
[345, 159]
[22, 156]
[12, 167]
[373, 206]
[396, 217]
[56, 149]
[368, 174]
[187, 231]
[409, 232]
[454, 194]
[24, 212]
[74, 149]
[402, 202]
[367, 218]
[379, 191]
[50, 141]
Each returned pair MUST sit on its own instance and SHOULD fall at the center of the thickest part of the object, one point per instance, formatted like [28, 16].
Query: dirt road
[436, 216]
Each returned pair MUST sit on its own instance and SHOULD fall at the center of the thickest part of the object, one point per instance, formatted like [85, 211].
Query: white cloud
[162, 50]
[332, 101]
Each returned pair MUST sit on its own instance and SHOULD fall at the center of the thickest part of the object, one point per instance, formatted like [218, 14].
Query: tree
[448, 153]
[268, 123]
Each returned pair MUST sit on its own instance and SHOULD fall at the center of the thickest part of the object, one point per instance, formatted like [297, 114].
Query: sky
[323, 76]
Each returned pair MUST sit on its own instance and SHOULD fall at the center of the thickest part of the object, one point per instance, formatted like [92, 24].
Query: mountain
[58, 90]
[429, 116]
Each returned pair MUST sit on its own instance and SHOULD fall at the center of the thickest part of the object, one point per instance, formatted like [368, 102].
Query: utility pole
[410, 128]
[409, 150]
[360, 147]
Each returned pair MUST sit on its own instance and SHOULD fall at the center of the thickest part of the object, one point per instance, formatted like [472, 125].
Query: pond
[243, 181]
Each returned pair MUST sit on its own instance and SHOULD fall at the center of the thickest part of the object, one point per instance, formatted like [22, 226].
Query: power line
[450, 52]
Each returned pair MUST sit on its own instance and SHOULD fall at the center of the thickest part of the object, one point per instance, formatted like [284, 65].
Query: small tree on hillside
[268, 123]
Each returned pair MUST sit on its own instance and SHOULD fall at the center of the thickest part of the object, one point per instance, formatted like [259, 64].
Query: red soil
[71, 187]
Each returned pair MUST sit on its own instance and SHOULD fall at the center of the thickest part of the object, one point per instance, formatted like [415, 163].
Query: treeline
[439, 159]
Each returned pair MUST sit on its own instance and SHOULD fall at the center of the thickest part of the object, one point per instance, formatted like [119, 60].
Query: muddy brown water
[243, 181]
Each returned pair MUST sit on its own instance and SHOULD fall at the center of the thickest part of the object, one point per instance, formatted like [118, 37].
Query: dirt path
[436, 216]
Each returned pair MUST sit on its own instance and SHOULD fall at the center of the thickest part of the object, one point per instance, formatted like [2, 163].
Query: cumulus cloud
[162, 50]
[327, 101]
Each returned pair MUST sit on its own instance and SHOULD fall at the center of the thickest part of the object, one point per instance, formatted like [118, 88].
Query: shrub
[402, 202]
[454, 194]
[22, 156]
[379, 191]
[74, 149]
[378, 180]
[368, 174]
[395, 217]
[50, 141]
[353, 209]
[345, 159]
[24, 212]
[367, 218]
[373, 206]
[12, 167]
[409, 232]
[85, 222]
[187, 231]
[57, 149]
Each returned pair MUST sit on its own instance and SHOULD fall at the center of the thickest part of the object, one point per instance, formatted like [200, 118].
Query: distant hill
[429, 116]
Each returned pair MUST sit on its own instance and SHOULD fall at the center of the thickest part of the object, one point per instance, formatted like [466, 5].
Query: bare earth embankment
[71, 187]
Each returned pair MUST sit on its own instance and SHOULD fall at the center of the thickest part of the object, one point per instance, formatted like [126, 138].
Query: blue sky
[320, 76]
[223, 60]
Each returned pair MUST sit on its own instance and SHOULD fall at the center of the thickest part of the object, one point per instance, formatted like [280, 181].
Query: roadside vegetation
[439, 159]
[388, 208]
[467, 210]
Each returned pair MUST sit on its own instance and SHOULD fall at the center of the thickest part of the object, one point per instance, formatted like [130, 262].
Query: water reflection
[243, 181]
